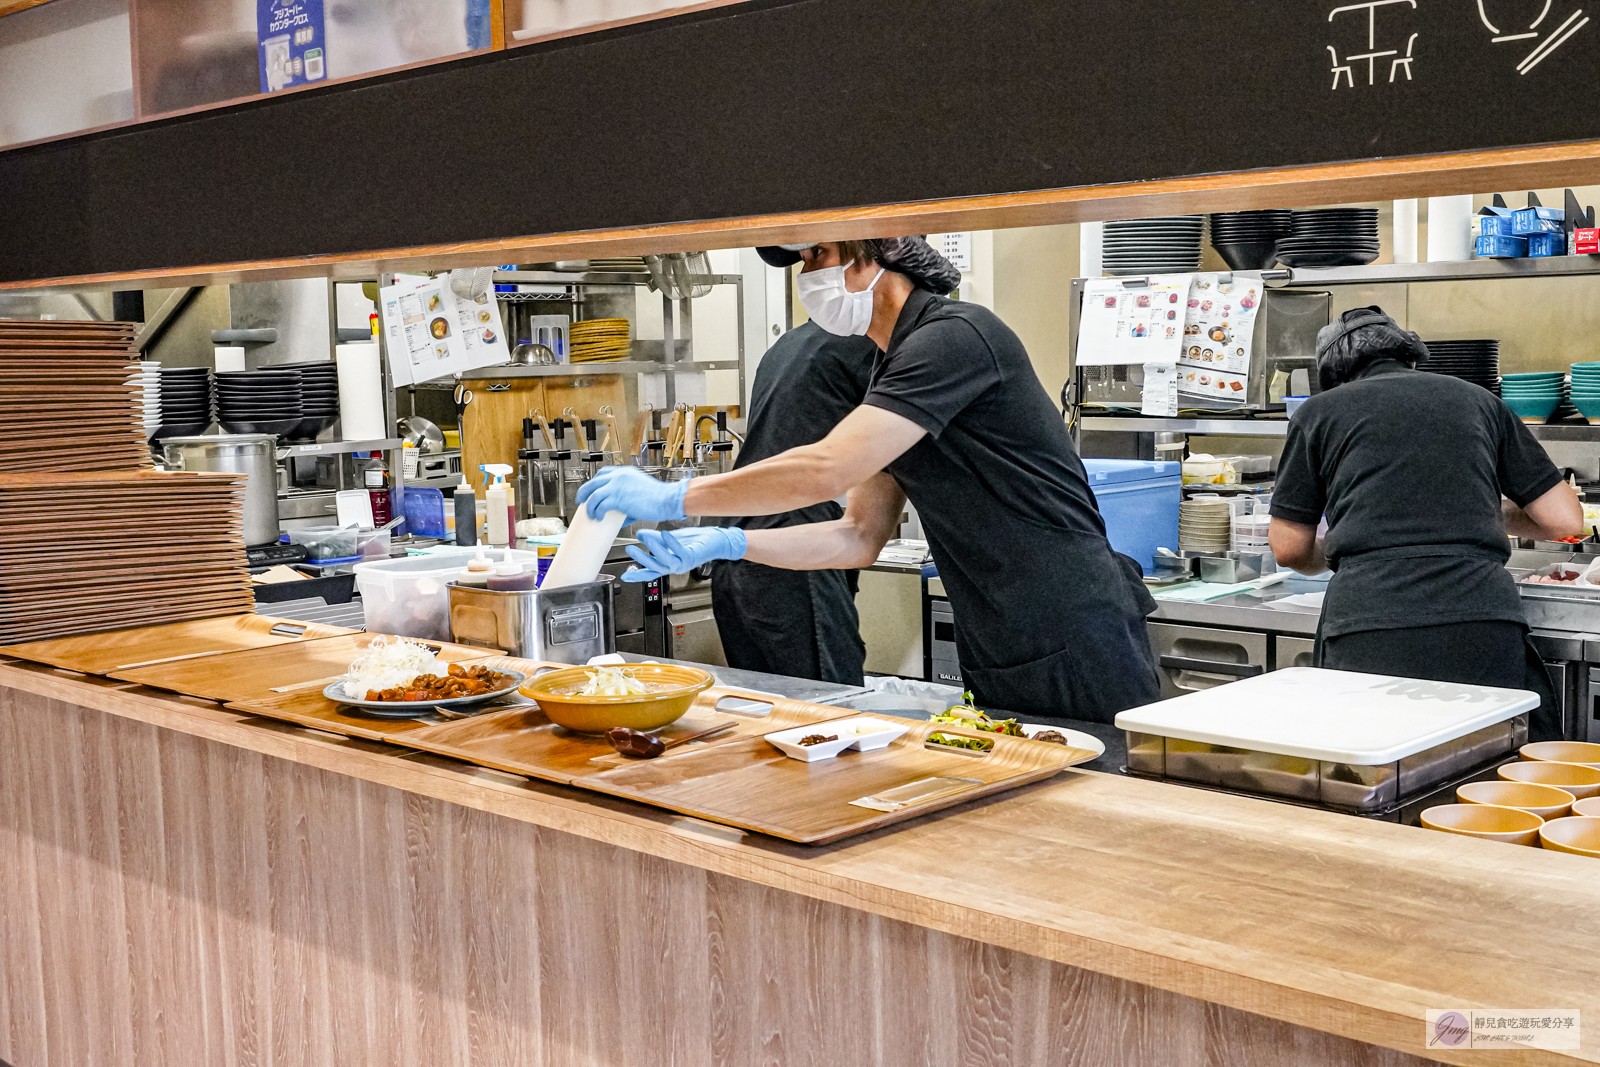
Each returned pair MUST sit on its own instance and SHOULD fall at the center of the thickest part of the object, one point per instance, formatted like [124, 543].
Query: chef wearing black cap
[1049, 619]
[1421, 476]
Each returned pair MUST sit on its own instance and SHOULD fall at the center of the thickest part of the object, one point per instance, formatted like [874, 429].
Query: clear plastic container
[328, 542]
[411, 598]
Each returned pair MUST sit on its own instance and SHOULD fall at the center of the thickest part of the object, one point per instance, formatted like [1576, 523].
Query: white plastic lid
[508, 569]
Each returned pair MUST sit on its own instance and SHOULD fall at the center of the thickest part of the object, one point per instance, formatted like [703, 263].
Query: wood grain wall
[167, 900]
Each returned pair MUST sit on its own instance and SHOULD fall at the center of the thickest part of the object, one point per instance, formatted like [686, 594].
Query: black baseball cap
[781, 256]
[911, 256]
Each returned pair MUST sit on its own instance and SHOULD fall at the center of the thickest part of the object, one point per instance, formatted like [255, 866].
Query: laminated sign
[292, 43]
[432, 331]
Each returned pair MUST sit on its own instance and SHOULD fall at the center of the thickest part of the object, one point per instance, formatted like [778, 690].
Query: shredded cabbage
[389, 662]
[612, 682]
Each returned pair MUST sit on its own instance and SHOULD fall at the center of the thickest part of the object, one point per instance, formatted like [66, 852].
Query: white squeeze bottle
[477, 571]
[498, 499]
[583, 549]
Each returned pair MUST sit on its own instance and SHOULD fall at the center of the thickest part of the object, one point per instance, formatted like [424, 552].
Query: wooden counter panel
[1335, 923]
[173, 901]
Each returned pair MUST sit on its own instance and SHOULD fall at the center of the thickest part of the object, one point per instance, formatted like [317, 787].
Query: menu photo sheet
[1218, 330]
[433, 332]
[1135, 324]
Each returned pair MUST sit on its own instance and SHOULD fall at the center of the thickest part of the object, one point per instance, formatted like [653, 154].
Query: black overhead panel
[795, 105]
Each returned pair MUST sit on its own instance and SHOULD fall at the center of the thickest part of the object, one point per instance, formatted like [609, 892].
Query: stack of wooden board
[71, 395]
[93, 551]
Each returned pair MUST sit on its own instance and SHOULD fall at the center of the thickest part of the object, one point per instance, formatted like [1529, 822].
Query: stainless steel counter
[1242, 611]
[778, 685]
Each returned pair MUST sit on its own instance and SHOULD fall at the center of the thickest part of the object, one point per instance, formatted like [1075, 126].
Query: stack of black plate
[263, 401]
[319, 395]
[1248, 240]
[185, 401]
[1331, 237]
[1166, 245]
[1477, 362]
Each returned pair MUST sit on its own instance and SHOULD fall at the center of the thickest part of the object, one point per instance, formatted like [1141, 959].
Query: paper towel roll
[1449, 228]
[229, 358]
[361, 393]
[1405, 231]
[1091, 248]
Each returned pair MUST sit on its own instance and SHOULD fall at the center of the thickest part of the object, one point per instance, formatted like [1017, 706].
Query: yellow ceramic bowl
[1589, 807]
[1545, 801]
[1486, 821]
[1562, 752]
[596, 715]
[1578, 779]
[1578, 835]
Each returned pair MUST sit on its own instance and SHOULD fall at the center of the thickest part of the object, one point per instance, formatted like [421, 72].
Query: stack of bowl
[1166, 245]
[1331, 237]
[319, 397]
[185, 401]
[1585, 390]
[1475, 361]
[1248, 240]
[263, 401]
[149, 381]
[1205, 524]
[1534, 397]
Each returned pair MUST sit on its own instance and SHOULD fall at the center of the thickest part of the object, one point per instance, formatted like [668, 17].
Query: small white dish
[1075, 738]
[865, 733]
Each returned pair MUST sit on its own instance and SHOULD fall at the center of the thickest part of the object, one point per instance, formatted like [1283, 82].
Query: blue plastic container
[1139, 501]
[425, 513]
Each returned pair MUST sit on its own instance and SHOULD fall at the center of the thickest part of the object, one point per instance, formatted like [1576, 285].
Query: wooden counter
[182, 885]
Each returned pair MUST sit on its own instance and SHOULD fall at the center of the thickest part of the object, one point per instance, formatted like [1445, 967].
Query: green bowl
[1532, 408]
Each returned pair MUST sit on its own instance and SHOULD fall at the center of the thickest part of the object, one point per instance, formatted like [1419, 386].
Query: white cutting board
[1339, 716]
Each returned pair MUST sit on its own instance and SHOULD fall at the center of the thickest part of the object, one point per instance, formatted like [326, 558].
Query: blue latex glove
[635, 494]
[681, 551]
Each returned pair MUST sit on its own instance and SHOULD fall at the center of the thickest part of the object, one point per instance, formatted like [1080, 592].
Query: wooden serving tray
[521, 740]
[753, 786]
[264, 673]
[106, 652]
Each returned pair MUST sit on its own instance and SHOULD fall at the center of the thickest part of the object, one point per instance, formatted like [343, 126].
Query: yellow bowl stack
[600, 341]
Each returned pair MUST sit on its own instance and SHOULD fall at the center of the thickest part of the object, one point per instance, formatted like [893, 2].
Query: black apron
[1544, 722]
[800, 624]
[1082, 650]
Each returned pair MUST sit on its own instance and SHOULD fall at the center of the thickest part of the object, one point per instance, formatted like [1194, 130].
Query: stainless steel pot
[252, 454]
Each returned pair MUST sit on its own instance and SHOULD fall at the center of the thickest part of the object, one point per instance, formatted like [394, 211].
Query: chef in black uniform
[797, 623]
[1421, 477]
[1049, 619]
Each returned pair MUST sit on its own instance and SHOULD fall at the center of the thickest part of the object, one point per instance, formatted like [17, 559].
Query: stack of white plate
[149, 380]
[1205, 524]
[1166, 245]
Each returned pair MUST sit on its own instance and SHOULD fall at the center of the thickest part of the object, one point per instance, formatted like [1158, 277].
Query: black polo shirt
[808, 381]
[1004, 500]
[1411, 466]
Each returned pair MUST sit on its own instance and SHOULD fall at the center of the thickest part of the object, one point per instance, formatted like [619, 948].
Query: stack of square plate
[1205, 524]
[185, 401]
[319, 396]
[1477, 362]
[262, 401]
[1166, 245]
[72, 395]
[1331, 237]
[172, 550]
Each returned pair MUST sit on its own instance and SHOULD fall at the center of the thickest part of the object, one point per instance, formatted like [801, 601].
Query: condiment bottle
[478, 571]
[547, 554]
[498, 521]
[466, 507]
[509, 577]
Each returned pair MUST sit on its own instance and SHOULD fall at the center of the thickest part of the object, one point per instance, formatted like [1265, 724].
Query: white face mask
[832, 306]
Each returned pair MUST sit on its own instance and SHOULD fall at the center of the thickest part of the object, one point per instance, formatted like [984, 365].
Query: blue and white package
[1494, 246]
[291, 36]
[1547, 244]
[1538, 220]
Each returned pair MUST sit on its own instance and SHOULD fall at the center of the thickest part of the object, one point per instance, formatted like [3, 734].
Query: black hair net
[916, 259]
[1359, 338]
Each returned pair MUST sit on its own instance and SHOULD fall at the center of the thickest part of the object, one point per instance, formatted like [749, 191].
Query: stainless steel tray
[1342, 787]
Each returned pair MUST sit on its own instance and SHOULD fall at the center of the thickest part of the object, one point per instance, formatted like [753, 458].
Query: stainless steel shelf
[1586, 434]
[341, 448]
[1465, 270]
[1232, 427]
[551, 277]
[576, 370]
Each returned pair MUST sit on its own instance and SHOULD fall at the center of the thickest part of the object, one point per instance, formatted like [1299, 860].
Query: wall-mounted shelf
[552, 277]
[343, 448]
[575, 370]
[1464, 271]
[1141, 424]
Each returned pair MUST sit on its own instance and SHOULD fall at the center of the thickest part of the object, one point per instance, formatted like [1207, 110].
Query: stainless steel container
[252, 454]
[569, 625]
